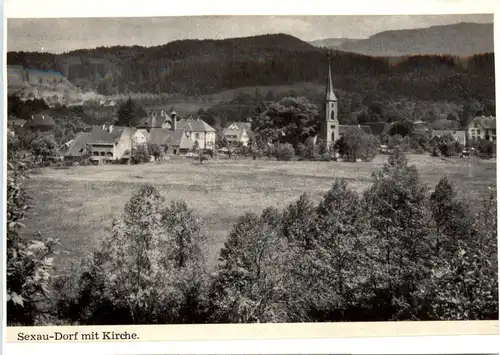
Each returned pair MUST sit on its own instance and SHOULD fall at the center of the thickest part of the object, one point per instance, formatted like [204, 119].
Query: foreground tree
[250, 281]
[402, 240]
[29, 262]
[150, 268]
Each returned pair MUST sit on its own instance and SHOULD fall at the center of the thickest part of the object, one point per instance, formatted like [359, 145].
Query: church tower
[330, 125]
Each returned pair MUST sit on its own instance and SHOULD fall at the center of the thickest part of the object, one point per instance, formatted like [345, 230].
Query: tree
[399, 221]
[356, 144]
[250, 280]
[127, 112]
[403, 128]
[151, 265]
[453, 221]
[44, 146]
[465, 285]
[29, 264]
[291, 120]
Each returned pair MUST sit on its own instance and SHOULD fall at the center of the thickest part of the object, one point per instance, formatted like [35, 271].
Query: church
[329, 130]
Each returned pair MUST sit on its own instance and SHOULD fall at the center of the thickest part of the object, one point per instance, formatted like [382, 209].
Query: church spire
[329, 94]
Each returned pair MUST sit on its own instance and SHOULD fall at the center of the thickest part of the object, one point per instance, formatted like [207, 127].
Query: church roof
[329, 94]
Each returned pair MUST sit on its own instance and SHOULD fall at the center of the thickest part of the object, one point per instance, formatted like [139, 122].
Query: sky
[65, 34]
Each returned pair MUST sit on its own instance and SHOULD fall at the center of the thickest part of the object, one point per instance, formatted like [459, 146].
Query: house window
[332, 126]
[196, 136]
[109, 154]
[102, 154]
[96, 154]
[476, 125]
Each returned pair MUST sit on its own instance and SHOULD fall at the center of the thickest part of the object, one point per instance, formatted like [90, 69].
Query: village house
[77, 147]
[40, 122]
[482, 128]
[179, 136]
[238, 133]
[110, 143]
[459, 136]
[140, 137]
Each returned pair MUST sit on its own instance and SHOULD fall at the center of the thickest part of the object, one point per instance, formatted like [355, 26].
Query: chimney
[174, 120]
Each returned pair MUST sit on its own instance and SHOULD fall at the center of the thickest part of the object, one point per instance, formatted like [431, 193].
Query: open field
[78, 204]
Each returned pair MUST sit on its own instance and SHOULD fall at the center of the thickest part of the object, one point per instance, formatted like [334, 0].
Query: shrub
[140, 155]
[285, 152]
[301, 150]
[29, 262]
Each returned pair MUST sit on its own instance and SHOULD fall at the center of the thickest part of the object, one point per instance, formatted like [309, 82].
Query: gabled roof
[240, 125]
[379, 128]
[367, 129]
[144, 132]
[98, 135]
[194, 125]
[40, 120]
[77, 145]
[440, 133]
[164, 136]
[486, 122]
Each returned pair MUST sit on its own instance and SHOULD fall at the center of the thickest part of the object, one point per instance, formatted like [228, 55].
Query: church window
[332, 126]
[332, 116]
[333, 136]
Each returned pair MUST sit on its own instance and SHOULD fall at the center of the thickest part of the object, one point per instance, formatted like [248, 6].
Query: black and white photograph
[250, 169]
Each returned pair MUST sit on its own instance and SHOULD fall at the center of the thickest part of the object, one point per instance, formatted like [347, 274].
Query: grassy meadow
[78, 204]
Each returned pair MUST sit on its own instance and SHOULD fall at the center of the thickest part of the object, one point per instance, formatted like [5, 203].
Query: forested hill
[461, 39]
[194, 67]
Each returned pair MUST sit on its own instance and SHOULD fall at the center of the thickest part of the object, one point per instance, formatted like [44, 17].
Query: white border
[117, 8]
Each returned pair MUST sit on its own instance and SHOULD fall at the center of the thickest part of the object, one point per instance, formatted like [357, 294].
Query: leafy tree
[356, 144]
[291, 120]
[452, 219]
[465, 285]
[250, 280]
[403, 128]
[29, 263]
[398, 218]
[44, 146]
[151, 264]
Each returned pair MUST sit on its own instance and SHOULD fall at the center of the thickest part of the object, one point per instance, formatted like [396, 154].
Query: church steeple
[330, 125]
[329, 94]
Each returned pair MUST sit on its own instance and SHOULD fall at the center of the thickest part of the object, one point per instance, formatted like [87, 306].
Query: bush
[29, 262]
[140, 155]
[285, 152]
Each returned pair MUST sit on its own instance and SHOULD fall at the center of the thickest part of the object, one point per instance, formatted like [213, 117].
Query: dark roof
[77, 145]
[378, 128]
[16, 122]
[486, 122]
[194, 125]
[40, 120]
[164, 136]
[365, 128]
[99, 135]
